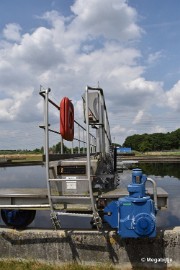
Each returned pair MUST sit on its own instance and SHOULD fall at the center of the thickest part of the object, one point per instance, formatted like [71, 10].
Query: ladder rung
[73, 214]
[70, 197]
[63, 179]
[26, 206]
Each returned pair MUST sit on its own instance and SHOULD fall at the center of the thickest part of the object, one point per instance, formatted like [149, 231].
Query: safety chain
[55, 221]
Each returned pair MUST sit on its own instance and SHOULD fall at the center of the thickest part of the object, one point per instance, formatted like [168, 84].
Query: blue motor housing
[133, 215]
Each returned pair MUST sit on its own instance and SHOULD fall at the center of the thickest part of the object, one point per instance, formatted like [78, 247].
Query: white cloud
[154, 57]
[173, 97]
[110, 19]
[138, 117]
[5, 110]
[132, 92]
[150, 92]
[6, 133]
[118, 133]
[38, 50]
[78, 105]
[157, 129]
[53, 56]
[12, 32]
[90, 46]
[144, 86]
[118, 129]
[15, 108]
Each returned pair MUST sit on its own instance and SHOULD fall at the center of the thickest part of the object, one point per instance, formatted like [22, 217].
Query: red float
[67, 119]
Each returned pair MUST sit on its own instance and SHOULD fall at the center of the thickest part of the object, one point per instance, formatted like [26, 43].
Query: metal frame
[103, 136]
[45, 95]
[103, 126]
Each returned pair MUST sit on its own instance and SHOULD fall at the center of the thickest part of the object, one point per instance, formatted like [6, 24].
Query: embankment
[152, 158]
[92, 247]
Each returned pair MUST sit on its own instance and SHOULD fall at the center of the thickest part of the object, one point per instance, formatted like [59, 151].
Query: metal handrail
[43, 94]
[103, 124]
[154, 191]
[102, 134]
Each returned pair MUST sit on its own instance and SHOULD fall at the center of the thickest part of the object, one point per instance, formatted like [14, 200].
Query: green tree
[154, 142]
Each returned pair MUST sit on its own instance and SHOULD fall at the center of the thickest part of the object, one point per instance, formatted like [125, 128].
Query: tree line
[154, 142]
[52, 149]
[21, 151]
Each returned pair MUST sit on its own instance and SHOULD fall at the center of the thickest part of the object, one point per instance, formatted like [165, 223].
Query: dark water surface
[35, 177]
[166, 175]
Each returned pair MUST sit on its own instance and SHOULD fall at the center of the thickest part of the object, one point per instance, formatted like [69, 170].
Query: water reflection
[35, 177]
[166, 175]
[161, 169]
[23, 177]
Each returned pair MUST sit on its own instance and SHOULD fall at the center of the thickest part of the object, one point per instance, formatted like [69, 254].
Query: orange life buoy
[67, 119]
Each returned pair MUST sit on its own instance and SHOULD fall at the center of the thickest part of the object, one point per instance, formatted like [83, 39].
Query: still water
[166, 176]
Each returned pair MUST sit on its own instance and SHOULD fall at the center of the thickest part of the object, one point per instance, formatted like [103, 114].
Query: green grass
[158, 153]
[22, 157]
[30, 158]
[33, 265]
[29, 265]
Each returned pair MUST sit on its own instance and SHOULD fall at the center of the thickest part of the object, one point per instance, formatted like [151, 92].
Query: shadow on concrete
[146, 252]
[89, 246]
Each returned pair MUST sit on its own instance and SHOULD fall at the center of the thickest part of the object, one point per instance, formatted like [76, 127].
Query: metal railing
[96, 116]
[82, 139]
[81, 131]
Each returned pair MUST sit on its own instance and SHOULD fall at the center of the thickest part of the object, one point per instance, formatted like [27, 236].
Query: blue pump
[133, 216]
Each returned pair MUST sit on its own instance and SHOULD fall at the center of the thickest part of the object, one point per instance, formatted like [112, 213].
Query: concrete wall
[91, 247]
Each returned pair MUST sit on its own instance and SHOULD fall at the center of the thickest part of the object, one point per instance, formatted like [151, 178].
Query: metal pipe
[72, 150]
[79, 139]
[83, 142]
[75, 139]
[54, 131]
[61, 145]
[154, 191]
[88, 151]
[47, 144]
[44, 128]
[90, 144]
[26, 206]
[115, 158]
[41, 92]
[52, 102]
[94, 145]
[79, 124]
[62, 179]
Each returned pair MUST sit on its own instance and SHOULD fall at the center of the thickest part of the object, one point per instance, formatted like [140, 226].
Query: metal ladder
[73, 199]
[65, 199]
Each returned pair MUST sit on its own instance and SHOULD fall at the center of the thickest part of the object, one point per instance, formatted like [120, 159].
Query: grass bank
[22, 157]
[159, 153]
[23, 265]
[29, 265]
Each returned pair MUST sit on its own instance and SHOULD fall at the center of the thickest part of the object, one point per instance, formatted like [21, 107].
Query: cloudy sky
[132, 48]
